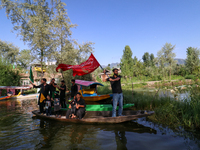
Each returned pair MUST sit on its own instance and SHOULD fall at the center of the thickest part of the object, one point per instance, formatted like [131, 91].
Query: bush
[190, 77]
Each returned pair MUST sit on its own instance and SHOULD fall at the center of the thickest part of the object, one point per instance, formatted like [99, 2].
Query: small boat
[39, 69]
[90, 94]
[99, 117]
[4, 97]
[16, 92]
[101, 107]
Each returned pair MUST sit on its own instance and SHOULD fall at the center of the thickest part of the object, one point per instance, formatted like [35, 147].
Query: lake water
[19, 129]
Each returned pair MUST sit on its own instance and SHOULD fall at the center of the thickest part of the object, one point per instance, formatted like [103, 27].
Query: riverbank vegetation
[168, 110]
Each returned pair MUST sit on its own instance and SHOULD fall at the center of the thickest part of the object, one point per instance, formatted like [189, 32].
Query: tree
[152, 60]
[9, 51]
[61, 26]
[32, 20]
[24, 59]
[146, 59]
[166, 57]
[9, 77]
[192, 60]
[126, 64]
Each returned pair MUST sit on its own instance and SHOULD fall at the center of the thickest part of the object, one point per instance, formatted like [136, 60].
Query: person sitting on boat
[80, 107]
[48, 105]
[73, 108]
[10, 93]
[115, 82]
[74, 89]
[44, 89]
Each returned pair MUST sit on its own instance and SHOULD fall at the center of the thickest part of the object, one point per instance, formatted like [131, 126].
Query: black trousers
[41, 105]
[63, 102]
[79, 113]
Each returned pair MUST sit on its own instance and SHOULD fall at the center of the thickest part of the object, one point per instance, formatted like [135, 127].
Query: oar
[105, 71]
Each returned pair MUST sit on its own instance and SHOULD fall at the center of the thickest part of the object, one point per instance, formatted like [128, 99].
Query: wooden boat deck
[100, 117]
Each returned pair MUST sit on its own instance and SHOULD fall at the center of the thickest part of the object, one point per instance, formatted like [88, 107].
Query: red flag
[84, 68]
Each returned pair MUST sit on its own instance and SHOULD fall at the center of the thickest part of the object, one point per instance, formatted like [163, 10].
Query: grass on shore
[168, 111]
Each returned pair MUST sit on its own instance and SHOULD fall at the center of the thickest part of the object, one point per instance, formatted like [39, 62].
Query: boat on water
[16, 92]
[101, 107]
[91, 93]
[99, 117]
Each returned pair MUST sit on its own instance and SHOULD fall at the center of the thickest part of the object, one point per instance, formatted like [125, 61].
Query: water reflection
[19, 129]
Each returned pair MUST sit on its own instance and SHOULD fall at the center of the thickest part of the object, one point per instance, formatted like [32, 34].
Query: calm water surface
[19, 129]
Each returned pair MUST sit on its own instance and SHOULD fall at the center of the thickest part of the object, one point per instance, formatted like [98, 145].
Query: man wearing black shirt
[80, 107]
[115, 82]
[44, 89]
[74, 88]
[62, 94]
[53, 86]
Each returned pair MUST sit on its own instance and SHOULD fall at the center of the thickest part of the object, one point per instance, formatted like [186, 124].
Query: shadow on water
[19, 129]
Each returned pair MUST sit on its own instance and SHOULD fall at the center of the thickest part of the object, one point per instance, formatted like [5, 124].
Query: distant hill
[112, 65]
[180, 61]
[116, 65]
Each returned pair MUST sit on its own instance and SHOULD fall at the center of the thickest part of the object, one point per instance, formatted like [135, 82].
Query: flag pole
[105, 71]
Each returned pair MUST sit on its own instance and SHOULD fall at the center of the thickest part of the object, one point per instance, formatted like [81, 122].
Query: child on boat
[57, 106]
[48, 105]
[73, 108]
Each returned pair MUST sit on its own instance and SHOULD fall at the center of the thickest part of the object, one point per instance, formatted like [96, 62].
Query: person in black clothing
[74, 88]
[62, 89]
[115, 82]
[80, 107]
[48, 105]
[53, 86]
[44, 89]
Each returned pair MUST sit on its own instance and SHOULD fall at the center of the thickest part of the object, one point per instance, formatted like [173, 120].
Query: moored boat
[16, 92]
[100, 117]
[91, 94]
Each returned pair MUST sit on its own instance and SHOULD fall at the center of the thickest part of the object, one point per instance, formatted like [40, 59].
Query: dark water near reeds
[19, 129]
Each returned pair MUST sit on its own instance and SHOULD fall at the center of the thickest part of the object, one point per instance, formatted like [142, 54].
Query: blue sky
[144, 25]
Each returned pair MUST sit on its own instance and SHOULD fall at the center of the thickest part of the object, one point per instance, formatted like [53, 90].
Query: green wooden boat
[101, 107]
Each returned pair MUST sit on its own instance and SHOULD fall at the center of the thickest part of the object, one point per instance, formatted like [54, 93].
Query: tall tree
[166, 57]
[146, 59]
[24, 59]
[9, 77]
[152, 60]
[32, 20]
[126, 64]
[61, 26]
[192, 60]
[9, 51]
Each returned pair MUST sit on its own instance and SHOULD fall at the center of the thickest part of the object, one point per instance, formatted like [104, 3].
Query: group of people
[77, 104]
[57, 99]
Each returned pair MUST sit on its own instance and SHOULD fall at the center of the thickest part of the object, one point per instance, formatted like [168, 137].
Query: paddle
[105, 71]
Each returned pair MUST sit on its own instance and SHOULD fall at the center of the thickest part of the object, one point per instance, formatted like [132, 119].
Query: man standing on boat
[74, 88]
[115, 82]
[53, 86]
[62, 89]
[44, 89]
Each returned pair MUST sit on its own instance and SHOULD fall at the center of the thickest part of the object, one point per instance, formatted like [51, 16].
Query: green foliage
[165, 59]
[31, 91]
[9, 51]
[146, 59]
[9, 77]
[192, 61]
[126, 64]
[190, 77]
[25, 58]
